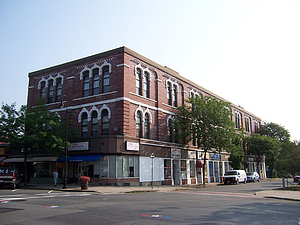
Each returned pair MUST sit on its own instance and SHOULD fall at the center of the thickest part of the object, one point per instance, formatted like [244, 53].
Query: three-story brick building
[121, 103]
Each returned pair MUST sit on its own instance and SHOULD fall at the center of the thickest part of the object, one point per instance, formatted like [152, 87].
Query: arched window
[95, 81]
[247, 124]
[147, 126]
[50, 91]
[169, 93]
[237, 120]
[94, 123]
[86, 84]
[58, 89]
[84, 125]
[146, 85]
[138, 82]
[138, 125]
[104, 122]
[174, 95]
[256, 126]
[105, 79]
[43, 90]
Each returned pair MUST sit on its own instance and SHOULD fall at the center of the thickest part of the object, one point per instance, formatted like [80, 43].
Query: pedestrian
[55, 177]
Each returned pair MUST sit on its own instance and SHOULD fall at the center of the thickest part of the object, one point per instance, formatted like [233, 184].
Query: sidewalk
[278, 194]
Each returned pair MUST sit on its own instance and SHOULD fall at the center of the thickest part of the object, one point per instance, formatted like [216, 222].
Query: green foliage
[207, 122]
[237, 153]
[37, 129]
[269, 147]
[275, 131]
[289, 159]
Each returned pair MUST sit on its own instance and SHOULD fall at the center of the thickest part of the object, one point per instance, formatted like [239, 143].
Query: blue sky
[245, 51]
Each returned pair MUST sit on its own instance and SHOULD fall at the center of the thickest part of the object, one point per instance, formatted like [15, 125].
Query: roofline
[124, 49]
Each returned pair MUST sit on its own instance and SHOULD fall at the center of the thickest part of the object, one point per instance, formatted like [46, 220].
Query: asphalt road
[223, 204]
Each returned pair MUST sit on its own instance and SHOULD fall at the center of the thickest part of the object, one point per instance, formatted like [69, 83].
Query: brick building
[120, 103]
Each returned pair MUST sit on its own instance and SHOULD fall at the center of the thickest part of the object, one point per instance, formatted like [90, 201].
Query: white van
[235, 177]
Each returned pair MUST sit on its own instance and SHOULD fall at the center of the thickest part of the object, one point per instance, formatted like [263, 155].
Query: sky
[247, 52]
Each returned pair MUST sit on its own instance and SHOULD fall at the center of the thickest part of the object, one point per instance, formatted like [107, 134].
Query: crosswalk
[25, 197]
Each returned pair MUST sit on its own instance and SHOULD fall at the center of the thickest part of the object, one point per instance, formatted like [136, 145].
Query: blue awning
[79, 158]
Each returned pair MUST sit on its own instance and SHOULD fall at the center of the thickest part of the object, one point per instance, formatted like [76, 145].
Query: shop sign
[79, 146]
[192, 154]
[201, 155]
[132, 146]
[175, 153]
[215, 156]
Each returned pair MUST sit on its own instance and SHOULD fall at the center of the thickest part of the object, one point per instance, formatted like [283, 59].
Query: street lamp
[152, 157]
[66, 145]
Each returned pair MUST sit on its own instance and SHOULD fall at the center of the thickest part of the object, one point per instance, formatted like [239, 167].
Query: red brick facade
[121, 102]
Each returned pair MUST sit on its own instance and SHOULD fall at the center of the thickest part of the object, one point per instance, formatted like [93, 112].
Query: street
[222, 204]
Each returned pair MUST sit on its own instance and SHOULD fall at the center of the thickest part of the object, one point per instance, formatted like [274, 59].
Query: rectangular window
[192, 169]
[119, 166]
[183, 169]
[112, 166]
[136, 166]
[104, 167]
[167, 169]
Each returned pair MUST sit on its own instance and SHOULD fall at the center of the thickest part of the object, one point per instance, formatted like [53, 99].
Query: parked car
[9, 177]
[297, 177]
[252, 176]
[235, 177]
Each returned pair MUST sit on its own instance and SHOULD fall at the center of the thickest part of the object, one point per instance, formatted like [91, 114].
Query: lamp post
[66, 146]
[152, 166]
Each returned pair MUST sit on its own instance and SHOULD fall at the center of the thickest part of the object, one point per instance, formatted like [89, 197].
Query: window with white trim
[50, 91]
[95, 81]
[86, 84]
[105, 79]
[84, 125]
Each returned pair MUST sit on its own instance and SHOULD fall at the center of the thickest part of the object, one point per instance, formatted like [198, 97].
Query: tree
[34, 130]
[275, 131]
[237, 153]
[260, 146]
[289, 158]
[278, 132]
[207, 122]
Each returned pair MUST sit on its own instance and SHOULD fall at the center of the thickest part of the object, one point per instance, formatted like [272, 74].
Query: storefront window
[104, 167]
[112, 166]
[183, 169]
[192, 169]
[211, 169]
[167, 168]
[41, 169]
[119, 166]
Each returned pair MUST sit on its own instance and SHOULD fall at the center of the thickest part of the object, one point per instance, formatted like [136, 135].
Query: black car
[9, 177]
